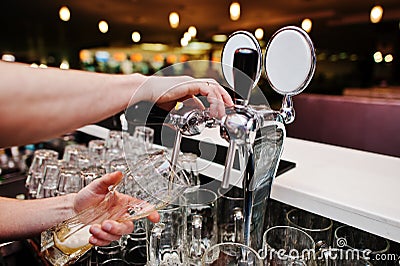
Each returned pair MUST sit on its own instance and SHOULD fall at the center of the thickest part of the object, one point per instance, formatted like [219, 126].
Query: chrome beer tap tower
[255, 132]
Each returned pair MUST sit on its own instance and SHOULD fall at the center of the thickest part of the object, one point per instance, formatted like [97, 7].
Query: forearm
[50, 102]
[26, 218]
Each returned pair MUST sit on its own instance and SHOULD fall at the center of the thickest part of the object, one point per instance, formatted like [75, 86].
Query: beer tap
[255, 132]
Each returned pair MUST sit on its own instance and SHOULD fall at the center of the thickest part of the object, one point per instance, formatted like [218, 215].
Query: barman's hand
[94, 193]
[166, 91]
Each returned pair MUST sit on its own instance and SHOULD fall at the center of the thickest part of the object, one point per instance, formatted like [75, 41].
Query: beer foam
[77, 240]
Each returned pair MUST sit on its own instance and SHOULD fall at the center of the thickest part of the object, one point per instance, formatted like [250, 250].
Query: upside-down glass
[114, 145]
[143, 138]
[48, 185]
[159, 185]
[223, 254]
[36, 170]
[97, 151]
[69, 181]
[288, 246]
[91, 173]
[76, 155]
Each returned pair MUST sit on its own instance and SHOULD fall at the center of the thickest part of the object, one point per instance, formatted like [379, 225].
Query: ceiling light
[184, 42]
[192, 31]
[103, 26]
[376, 14]
[174, 20]
[187, 36]
[234, 11]
[306, 24]
[219, 38]
[259, 33]
[388, 58]
[64, 13]
[136, 36]
[378, 57]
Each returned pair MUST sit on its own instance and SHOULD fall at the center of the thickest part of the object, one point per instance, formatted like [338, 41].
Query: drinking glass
[104, 254]
[69, 180]
[76, 155]
[361, 243]
[230, 215]
[35, 172]
[160, 184]
[201, 221]
[134, 245]
[223, 254]
[167, 238]
[276, 214]
[188, 161]
[114, 145]
[286, 245]
[144, 138]
[91, 173]
[48, 184]
[318, 227]
[97, 151]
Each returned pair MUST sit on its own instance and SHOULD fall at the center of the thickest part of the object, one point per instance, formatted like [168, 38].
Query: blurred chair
[364, 123]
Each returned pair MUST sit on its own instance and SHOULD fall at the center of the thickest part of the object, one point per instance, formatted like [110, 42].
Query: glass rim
[265, 243]
[215, 197]
[387, 246]
[330, 226]
[223, 195]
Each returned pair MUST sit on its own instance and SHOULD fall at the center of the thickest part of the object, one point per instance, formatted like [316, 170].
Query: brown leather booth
[369, 124]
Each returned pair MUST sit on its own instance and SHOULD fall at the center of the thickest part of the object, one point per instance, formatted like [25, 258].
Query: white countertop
[358, 188]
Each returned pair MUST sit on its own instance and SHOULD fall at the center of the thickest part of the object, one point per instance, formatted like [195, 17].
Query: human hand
[166, 91]
[94, 193]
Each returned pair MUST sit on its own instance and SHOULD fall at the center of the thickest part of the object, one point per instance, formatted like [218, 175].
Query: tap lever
[245, 67]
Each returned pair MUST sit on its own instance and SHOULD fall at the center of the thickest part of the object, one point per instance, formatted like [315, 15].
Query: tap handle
[155, 244]
[238, 219]
[230, 158]
[196, 248]
[245, 66]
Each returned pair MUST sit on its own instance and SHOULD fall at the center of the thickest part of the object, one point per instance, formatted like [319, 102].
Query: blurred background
[357, 42]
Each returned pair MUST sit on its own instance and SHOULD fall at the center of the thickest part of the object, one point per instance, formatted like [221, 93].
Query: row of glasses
[343, 246]
[80, 164]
